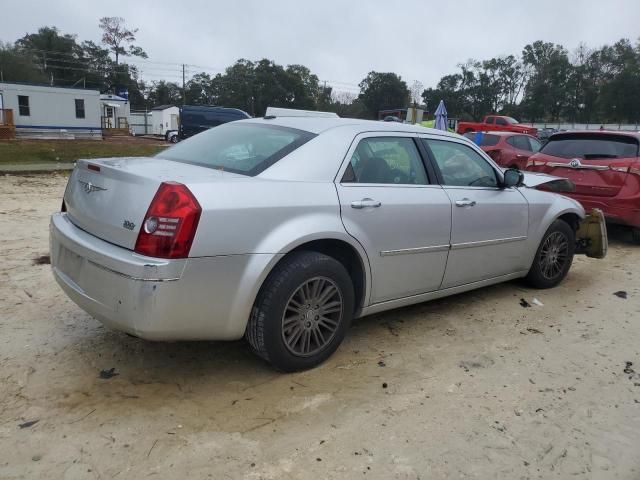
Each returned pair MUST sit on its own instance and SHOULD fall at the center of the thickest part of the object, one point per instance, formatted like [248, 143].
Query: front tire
[302, 312]
[635, 235]
[554, 256]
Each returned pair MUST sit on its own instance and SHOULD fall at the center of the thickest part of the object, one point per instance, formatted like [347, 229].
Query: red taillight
[170, 223]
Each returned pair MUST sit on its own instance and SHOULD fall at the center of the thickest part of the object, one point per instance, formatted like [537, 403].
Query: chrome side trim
[409, 251]
[579, 167]
[484, 243]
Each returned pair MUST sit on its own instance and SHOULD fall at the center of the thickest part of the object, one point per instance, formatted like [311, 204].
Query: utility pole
[184, 95]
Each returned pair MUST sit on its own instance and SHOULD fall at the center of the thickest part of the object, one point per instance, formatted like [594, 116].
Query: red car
[605, 168]
[508, 149]
[496, 123]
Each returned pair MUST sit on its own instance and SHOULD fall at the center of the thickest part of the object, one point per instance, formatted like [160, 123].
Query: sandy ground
[476, 385]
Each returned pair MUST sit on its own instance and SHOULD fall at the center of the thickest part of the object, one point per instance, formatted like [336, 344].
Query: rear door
[523, 147]
[489, 224]
[597, 163]
[402, 220]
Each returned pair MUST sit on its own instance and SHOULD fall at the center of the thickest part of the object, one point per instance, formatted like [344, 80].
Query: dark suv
[196, 119]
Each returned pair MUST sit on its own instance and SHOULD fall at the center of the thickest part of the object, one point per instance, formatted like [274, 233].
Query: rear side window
[591, 146]
[483, 139]
[489, 119]
[243, 148]
[500, 121]
[386, 160]
[520, 142]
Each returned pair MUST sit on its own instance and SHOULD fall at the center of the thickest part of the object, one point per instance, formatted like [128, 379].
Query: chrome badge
[90, 187]
[575, 163]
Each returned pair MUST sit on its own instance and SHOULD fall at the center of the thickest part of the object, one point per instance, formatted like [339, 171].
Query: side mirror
[512, 178]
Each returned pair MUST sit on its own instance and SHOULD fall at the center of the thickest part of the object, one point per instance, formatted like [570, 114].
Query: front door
[402, 220]
[489, 223]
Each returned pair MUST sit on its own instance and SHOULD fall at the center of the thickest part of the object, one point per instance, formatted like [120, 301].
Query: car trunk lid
[110, 197]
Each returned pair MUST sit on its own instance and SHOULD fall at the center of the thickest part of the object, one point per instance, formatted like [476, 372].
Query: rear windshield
[483, 139]
[238, 147]
[591, 146]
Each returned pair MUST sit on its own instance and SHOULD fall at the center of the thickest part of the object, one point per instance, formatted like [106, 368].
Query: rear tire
[553, 257]
[302, 312]
[635, 235]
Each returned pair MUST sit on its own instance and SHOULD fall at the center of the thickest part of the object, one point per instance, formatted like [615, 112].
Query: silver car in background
[282, 230]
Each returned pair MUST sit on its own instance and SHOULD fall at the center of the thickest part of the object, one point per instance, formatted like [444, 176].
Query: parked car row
[604, 167]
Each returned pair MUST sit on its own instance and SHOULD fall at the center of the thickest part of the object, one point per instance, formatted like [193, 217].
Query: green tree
[117, 38]
[18, 66]
[53, 53]
[164, 93]
[546, 90]
[382, 91]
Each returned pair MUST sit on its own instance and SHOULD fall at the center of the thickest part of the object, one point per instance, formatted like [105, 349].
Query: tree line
[544, 83]
[547, 83]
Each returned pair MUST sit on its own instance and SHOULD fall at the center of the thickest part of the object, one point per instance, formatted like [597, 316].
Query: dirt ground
[473, 386]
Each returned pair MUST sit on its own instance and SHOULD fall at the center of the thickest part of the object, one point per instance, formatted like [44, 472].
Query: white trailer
[41, 111]
[164, 118]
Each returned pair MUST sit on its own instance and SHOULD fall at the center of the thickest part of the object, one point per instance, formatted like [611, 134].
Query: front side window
[460, 165]
[79, 108]
[23, 106]
[386, 160]
[238, 147]
[501, 121]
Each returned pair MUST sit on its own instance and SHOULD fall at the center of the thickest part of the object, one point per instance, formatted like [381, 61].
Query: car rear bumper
[206, 298]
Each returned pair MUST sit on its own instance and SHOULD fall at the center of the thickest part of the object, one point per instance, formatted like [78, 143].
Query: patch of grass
[64, 151]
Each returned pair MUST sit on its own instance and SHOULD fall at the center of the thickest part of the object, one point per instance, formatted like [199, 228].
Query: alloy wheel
[312, 316]
[554, 255]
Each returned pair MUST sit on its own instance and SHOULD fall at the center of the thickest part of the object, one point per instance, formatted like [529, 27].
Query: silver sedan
[282, 230]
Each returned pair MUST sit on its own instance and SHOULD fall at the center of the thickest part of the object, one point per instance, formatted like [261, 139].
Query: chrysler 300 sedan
[282, 230]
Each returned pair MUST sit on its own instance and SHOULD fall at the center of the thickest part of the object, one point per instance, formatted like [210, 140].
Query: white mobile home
[40, 111]
[164, 118]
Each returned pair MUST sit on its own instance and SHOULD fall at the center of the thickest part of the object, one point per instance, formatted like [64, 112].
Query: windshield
[591, 146]
[238, 147]
[511, 121]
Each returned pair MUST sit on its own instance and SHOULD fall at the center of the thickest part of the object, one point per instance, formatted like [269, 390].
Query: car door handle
[365, 203]
[465, 202]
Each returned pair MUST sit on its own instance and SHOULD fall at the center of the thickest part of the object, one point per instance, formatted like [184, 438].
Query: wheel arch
[338, 245]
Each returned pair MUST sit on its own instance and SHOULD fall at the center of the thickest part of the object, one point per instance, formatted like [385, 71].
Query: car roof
[318, 125]
[500, 134]
[625, 133]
